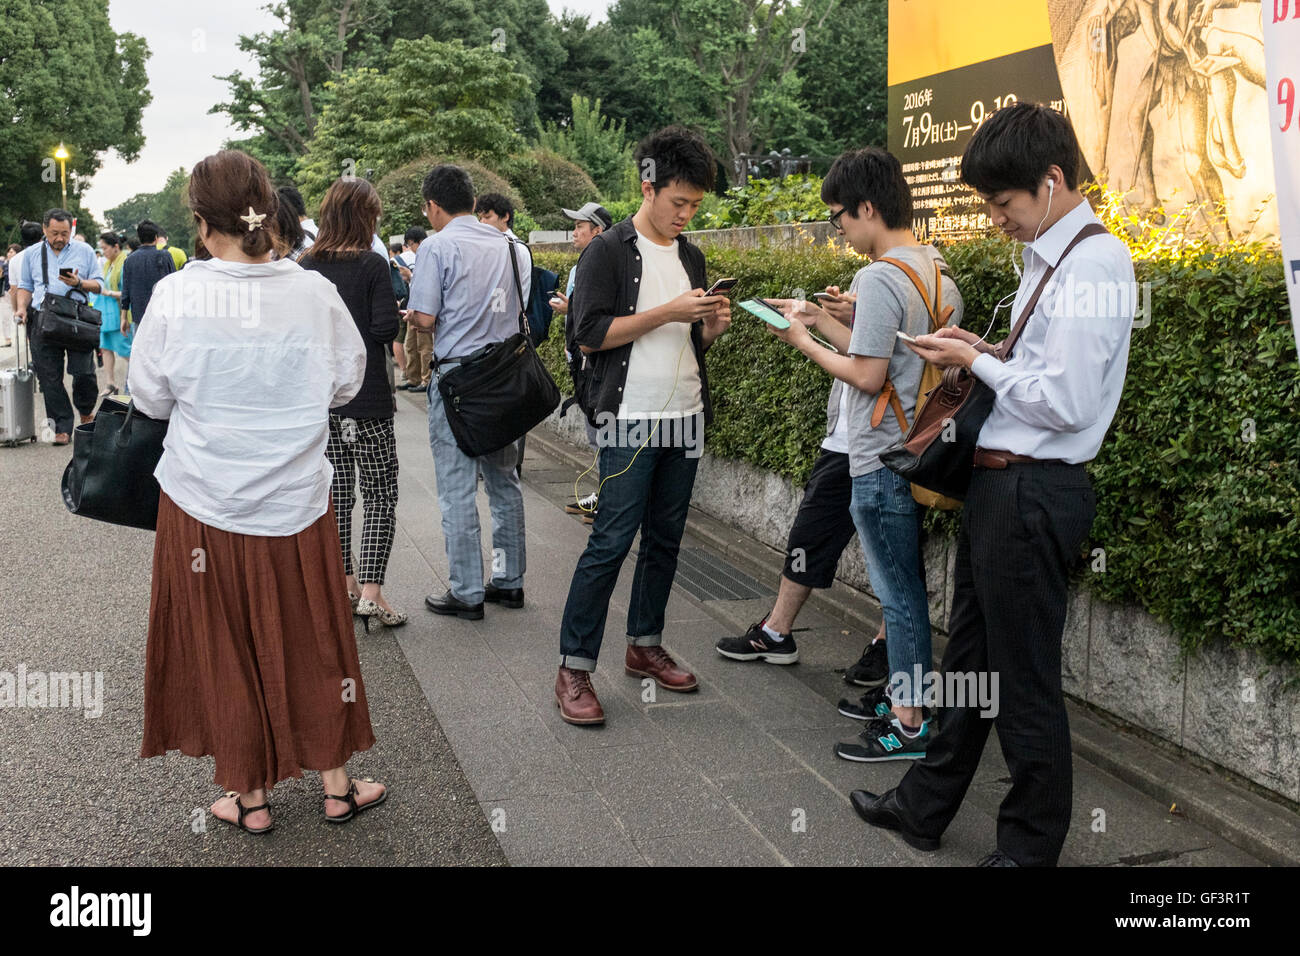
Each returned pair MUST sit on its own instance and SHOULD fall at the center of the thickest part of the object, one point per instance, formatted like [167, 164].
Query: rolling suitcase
[18, 400]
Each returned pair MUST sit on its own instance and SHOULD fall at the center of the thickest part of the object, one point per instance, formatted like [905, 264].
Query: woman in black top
[361, 432]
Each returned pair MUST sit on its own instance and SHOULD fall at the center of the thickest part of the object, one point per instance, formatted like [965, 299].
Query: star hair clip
[254, 218]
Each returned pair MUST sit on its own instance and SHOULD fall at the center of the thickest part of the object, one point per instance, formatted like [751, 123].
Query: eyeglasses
[834, 218]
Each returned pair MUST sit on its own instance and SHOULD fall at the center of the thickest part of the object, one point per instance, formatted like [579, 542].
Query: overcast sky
[189, 47]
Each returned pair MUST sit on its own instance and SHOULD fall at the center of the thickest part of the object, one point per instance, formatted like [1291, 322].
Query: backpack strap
[888, 396]
[939, 315]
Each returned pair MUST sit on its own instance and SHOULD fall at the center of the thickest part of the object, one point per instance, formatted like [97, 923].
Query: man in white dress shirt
[1030, 503]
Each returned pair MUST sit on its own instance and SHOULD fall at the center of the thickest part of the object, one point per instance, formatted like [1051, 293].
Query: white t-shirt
[663, 377]
[309, 226]
[246, 360]
[838, 439]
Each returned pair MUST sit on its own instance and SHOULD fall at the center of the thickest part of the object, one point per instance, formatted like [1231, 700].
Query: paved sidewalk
[739, 773]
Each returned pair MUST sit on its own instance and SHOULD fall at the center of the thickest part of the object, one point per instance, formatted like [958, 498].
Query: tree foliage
[168, 207]
[597, 144]
[427, 97]
[67, 77]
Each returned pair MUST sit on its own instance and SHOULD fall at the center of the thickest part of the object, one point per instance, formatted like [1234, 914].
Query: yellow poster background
[931, 36]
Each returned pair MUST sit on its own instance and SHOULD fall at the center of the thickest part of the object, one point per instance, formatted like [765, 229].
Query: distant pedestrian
[41, 275]
[142, 270]
[114, 331]
[251, 656]
[177, 254]
[361, 432]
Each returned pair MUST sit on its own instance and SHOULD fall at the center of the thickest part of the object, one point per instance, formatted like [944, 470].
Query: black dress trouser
[48, 360]
[1020, 534]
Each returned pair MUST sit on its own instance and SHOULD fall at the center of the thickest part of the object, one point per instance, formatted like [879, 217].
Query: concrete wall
[1223, 703]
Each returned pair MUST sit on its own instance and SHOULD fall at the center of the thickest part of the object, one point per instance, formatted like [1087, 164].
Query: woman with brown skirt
[251, 655]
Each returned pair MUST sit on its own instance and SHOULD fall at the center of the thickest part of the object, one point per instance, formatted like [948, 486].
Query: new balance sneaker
[755, 644]
[884, 739]
[874, 703]
[586, 505]
[872, 668]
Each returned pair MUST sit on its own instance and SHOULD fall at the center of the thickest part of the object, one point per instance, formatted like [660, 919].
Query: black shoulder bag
[496, 394]
[63, 320]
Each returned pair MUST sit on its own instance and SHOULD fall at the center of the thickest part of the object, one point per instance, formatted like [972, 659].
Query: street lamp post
[61, 155]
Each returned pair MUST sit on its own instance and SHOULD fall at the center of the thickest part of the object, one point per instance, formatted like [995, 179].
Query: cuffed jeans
[457, 476]
[888, 521]
[653, 496]
[48, 358]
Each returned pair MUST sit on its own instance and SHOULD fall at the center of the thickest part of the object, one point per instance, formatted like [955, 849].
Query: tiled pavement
[739, 773]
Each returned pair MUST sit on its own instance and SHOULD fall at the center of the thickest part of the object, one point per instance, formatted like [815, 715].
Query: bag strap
[1007, 344]
[938, 319]
[519, 289]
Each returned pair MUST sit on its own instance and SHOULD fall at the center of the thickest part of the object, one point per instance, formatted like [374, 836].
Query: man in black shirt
[641, 315]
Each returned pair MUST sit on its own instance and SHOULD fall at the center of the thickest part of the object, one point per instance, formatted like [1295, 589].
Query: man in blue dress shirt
[58, 250]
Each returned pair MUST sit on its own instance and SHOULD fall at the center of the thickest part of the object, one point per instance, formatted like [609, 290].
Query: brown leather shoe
[87, 419]
[62, 438]
[655, 662]
[576, 698]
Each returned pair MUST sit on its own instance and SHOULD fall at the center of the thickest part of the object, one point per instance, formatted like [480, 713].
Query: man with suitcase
[59, 265]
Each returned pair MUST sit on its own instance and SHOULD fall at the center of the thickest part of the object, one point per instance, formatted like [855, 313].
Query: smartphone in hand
[721, 287]
[905, 337]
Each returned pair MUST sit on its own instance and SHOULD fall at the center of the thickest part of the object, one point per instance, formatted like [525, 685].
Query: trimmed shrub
[399, 191]
[547, 183]
[1198, 482]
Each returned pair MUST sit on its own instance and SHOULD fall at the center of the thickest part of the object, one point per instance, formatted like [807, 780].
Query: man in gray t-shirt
[871, 206]
[888, 303]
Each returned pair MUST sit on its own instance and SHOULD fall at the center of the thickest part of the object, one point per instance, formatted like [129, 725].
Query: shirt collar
[243, 270]
[1050, 246]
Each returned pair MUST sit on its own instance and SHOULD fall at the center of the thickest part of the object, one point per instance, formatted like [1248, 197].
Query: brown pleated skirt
[251, 657]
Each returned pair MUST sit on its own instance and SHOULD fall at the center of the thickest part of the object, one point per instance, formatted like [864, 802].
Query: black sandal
[243, 811]
[350, 798]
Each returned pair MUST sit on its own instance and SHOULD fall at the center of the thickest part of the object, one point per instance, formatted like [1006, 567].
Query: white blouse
[246, 359]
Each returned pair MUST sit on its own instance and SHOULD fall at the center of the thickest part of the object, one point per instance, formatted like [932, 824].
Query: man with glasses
[463, 290]
[41, 275]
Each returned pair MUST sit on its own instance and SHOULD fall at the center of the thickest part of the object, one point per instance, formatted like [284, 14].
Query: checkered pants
[367, 445]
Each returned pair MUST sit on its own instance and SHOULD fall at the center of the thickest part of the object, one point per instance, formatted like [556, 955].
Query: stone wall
[1223, 703]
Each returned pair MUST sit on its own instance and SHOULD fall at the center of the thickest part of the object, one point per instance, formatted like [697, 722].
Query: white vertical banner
[1281, 22]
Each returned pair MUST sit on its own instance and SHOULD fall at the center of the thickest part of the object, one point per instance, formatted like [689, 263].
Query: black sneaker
[755, 644]
[874, 703]
[872, 668]
[884, 740]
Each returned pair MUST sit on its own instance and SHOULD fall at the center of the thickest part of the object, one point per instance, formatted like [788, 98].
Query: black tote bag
[65, 321]
[496, 394]
[110, 477]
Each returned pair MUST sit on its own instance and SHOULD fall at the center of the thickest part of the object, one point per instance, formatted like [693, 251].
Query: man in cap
[588, 222]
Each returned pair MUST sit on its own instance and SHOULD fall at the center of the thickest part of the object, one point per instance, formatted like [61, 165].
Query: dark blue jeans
[652, 495]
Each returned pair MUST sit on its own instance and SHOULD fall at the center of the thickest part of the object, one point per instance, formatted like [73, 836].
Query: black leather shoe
[882, 811]
[449, 605]
[997, 858]
[506, 597]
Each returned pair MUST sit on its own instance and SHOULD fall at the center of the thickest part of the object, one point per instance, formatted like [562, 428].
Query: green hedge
[1198, 482]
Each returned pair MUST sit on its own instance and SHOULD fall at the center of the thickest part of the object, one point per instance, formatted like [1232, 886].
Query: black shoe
[449, 605]
[997, 858]
[883, 811]
[874, 703]
[755, 644]
[872, 668]
[586, 505]
[506, 597]
[883, 739]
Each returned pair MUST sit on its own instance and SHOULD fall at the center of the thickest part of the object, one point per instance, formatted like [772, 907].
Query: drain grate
[708, 578]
